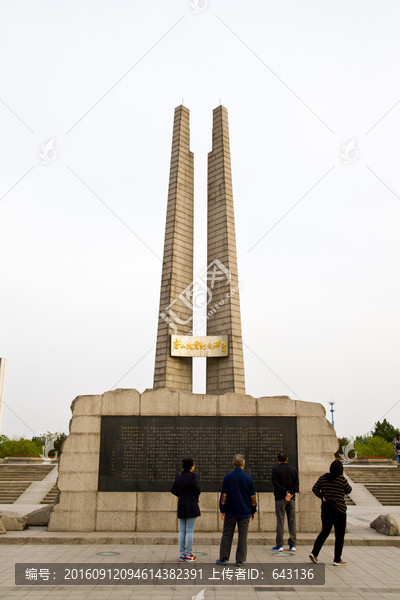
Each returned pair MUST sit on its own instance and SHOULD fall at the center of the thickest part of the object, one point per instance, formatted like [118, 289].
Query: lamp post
[332, 411]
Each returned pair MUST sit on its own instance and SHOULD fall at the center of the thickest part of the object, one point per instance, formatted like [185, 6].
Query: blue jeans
[186, 527]
[398, 458]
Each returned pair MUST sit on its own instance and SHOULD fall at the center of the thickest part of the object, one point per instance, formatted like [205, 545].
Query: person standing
[396, 447]
[186, 486]
[237, 505]
[331, 488]
[285, 480]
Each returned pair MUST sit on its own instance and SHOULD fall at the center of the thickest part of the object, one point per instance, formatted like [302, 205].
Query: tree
[363, 439]
[20, 447]
[47, 438]
[343, 441]
[375, 446]
[58, 442]
[385, 430]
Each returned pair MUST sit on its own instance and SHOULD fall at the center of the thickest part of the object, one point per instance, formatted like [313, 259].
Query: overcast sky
[87, 95]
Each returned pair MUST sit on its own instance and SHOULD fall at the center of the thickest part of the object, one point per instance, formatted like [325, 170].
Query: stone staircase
[51, 496]
[388, 496]
[15, 479]
[383, 482]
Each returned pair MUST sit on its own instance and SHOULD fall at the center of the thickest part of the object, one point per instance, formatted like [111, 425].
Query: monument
[124, 448]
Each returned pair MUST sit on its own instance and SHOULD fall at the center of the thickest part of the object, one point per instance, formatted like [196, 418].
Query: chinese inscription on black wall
[144, 453]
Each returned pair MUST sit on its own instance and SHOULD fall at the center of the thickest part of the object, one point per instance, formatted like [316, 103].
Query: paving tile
[372, 572]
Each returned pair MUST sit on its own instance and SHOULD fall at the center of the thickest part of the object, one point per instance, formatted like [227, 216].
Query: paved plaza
[372, 572]
[373, 569]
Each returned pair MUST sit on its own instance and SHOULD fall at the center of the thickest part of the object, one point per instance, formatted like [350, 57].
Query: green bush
[33, 447]
[375, 446]
[21, 447]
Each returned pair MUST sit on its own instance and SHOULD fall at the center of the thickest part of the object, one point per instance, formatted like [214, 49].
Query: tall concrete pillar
[223, 374]
[176, 313]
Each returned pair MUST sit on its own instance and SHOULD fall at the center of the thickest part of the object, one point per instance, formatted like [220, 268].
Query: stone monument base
[82, 507]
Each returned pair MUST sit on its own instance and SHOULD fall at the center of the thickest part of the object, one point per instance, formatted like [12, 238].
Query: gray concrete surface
[373, 569]
[360, 495]
[372, 572]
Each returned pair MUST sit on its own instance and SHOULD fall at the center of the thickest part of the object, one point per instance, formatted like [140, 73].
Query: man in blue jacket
[237, 504]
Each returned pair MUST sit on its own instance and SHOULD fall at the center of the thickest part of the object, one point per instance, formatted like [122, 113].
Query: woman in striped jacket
[331, 488]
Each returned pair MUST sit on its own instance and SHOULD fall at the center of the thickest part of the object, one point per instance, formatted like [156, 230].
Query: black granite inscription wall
[144, 453]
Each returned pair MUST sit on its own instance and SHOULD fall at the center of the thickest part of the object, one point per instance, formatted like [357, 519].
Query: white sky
[79, 287]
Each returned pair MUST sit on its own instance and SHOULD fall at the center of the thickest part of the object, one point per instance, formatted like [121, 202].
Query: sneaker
[277, 548]
[292, 548]
[182, 557]
[341, 563]
[190, 558]
[221, 562]
[313, 558]
[239, 564]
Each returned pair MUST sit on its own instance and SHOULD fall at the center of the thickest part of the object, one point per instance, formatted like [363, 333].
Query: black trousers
[288, 507]
[227, 537]
[330, 516]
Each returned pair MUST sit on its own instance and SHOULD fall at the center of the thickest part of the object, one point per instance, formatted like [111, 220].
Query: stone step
[387, 486]
[23, 477]
[51, 496]
[12, 490]
[40, 535]
[387, 494]
[379, 471]
[15, 479]
[375, 476]
[382, 479]
[382, 492]
[33, 468]
[42, 466]
[26, 476]
[6, 485]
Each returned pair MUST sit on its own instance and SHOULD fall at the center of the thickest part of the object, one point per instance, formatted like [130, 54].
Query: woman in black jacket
[186, 487]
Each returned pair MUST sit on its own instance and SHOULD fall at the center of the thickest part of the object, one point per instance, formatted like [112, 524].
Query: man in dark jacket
[285, 480]
[237, 505]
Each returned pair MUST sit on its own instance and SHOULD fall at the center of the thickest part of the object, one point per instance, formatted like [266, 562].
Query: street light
[332, 411]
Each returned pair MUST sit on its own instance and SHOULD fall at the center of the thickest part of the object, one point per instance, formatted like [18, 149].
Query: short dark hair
[187, 463]
[282, 457]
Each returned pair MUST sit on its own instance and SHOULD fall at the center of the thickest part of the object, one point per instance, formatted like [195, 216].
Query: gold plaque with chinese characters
[215, 346]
